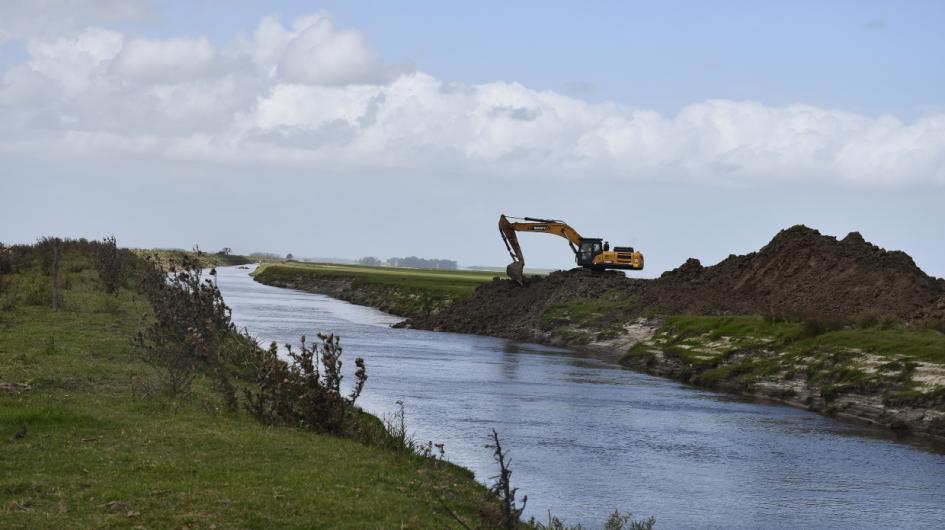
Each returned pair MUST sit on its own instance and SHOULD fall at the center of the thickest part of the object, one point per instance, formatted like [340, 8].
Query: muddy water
[587, 437]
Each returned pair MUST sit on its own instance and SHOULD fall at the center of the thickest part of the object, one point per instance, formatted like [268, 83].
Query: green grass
[459, 284]
[164, 256]
[738, 327]
[400, 291]
[583, 312]
[103, 450]
[582, 321]
[735, 351]
[900, 342]
[914, 344]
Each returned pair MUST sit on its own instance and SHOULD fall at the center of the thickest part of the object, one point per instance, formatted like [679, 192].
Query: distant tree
[226, 251]
[289, 256]
[422, 263]
[370, 260]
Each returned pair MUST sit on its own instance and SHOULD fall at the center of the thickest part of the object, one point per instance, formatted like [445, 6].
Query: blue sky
[867, 56]
[688, 129]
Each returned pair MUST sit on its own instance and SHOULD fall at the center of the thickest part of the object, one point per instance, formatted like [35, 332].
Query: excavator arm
[508, 230]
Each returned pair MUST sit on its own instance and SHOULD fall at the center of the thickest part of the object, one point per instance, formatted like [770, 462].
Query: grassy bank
[401, 291]
[895, 371]
[102, 447]
[164, 256]
[705, 343]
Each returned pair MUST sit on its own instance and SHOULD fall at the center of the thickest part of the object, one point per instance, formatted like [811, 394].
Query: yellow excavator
[589, 252]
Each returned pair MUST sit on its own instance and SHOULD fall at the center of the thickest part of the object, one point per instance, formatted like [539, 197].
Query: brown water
[587, 437]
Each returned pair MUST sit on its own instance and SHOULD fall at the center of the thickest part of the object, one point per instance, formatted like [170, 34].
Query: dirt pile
[503, 308]
[799, 273]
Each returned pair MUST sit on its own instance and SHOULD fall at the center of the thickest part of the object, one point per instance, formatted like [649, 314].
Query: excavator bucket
[515, 270]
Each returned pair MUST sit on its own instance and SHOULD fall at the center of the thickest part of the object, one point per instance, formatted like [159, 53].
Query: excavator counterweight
[591, 253]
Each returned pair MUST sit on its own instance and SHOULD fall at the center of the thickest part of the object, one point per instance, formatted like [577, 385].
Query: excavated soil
[799, 273]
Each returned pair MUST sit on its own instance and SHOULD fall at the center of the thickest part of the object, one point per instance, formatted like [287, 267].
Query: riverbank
[893, 378]
[399, 291]
[165, 256]
[885, 374]
[837, 326]
[890, 377]
[88, 439]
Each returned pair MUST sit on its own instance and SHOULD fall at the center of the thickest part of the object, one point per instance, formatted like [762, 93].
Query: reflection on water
[587, 437]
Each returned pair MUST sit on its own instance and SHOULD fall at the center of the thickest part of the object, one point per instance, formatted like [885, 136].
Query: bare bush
[616, 521]
[108, 263]
[6, 266]
[502, 488]
[305, 392]
[50, 249]
[933, 324]
[867, 319]
[888, 321]
[191, 325]
[818, 324]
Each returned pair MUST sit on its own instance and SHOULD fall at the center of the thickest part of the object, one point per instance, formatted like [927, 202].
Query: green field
[105, 448]
[400, 291]
[451, 282]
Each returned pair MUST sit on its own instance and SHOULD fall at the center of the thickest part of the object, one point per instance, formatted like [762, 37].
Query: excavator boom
[588, 252]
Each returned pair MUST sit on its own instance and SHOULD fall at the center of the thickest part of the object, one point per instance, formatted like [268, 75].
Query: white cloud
[42, 18]
[165, 60]
[313, 96]
[75, 61]
[314, 52]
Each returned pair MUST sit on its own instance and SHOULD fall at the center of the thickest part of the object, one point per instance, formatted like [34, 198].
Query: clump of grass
[818, 324]
[933, 324]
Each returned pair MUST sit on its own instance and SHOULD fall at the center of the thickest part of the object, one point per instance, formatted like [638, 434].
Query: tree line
[410, 261]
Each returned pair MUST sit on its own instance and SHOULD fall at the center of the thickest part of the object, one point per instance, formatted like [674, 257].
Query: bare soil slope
[799, 273]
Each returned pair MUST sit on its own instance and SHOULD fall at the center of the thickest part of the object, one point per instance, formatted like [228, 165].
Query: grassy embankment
[102, 449]
[400, 291]
[904, 364]
[875, 368]
[814, 362]
[869, 349]
[164, 256]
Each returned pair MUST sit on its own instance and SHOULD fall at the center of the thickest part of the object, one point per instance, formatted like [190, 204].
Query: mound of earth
[799, 273]
[505, 309]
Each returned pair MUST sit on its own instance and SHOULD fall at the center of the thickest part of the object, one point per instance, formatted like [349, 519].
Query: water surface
[587, 437]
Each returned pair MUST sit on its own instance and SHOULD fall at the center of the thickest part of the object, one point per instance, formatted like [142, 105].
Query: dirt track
[799, 273]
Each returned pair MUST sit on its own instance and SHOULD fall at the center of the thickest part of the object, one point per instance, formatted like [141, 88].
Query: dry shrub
[509, 510]
[874, 319]
[818, 324]
[108, 263]
[190, 328]
[867, 319]
[305, 392]
[6, 266]
[934, 324]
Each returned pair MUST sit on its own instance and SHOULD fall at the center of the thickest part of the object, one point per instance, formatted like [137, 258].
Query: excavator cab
[587, 251]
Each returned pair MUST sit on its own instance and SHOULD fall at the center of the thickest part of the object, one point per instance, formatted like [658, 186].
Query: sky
[348, 129]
